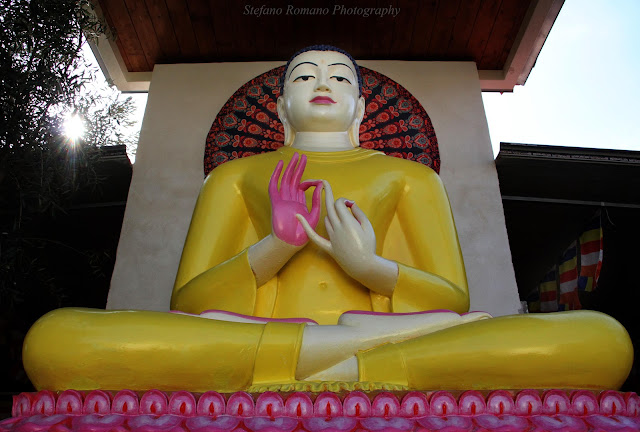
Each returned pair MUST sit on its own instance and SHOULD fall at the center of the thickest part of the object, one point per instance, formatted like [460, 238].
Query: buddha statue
[282, 284]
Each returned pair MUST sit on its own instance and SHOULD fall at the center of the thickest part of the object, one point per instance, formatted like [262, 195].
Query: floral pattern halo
[394, 122]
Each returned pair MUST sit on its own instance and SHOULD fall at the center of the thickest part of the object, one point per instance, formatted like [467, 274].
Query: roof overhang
[114, 69]
[529, 42]
[525, 44]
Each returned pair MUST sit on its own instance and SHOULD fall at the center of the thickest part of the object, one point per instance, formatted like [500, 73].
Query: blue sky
[584, 90]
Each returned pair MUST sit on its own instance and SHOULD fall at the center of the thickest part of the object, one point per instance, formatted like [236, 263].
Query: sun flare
[73, 127]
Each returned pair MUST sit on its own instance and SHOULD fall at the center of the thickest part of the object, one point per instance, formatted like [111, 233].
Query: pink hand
[290, 200]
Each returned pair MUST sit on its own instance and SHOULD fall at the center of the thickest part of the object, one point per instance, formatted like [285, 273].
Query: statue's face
[320, 92]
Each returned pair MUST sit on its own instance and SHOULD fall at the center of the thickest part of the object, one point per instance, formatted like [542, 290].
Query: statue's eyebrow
[301, 63]
[343, 64]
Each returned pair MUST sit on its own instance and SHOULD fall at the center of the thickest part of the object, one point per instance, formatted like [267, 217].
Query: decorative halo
[394, 122]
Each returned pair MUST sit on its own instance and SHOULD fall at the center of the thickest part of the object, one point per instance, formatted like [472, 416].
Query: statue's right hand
[290, 200]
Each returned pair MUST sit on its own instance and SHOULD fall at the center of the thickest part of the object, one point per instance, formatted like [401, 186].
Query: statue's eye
[304, 78]
[341, 79]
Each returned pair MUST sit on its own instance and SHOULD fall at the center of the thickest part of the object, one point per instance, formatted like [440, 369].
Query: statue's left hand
[352, 241]
[352, 244]
[290, 200]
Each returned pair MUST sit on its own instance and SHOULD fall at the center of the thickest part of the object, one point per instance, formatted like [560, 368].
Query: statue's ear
[354, 130]
[289, 133]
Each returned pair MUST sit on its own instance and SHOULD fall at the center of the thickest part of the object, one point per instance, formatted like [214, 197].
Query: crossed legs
[89, 349]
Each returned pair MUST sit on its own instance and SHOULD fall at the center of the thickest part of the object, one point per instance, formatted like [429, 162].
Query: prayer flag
[548, 289]
[591, 252]
[568, 270]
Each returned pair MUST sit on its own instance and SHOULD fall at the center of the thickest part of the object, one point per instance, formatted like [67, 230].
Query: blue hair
[322, 48]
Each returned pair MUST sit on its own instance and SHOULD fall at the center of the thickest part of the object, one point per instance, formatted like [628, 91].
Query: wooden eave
[503, 37]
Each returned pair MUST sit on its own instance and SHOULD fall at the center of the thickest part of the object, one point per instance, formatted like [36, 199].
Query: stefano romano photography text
[334, 10]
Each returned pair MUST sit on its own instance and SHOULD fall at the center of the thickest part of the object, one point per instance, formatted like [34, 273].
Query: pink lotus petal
[501, 423]
[182, 403]
[555, 402]
[39, 422]
[443, 403]
[97, 402]
[154, 402]
[152, 423]
[211, 404]
[471, 403]
[44, 403]
[69, 402]
[22, 405]
[414, 404]
[125, 402]
[298, 405]
[500, 402]
[240, 404]
[528, 402]
[356, 404]
[327, 405]
[612, 403]
[269, 404]
[64, 426]
[279, 424]
[8, 424]
[385, 405]
[98, 423]
[617, 423]
[583, 402]
[223, 423]
[396, 424]
[633, 404]
[558, 423]
[446, 424]
[335, 424]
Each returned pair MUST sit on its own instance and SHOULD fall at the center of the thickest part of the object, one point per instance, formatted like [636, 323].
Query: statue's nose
[321, 83]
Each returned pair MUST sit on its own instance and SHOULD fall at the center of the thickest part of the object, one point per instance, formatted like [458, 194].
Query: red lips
[322, 100]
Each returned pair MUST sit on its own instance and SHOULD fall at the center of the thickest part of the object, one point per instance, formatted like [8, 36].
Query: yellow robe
[405, 202]
[410, 213]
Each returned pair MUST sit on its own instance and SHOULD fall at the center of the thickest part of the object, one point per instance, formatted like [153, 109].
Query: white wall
[183, 102]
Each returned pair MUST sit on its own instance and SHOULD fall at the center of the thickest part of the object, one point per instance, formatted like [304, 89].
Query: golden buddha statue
[380, 271]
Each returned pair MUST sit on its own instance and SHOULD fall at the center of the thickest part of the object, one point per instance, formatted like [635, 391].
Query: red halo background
[394, 122]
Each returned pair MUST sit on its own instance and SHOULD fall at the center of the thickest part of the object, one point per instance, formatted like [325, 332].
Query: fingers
[318, 240]
[361, 217]
[329, 227]
[314, 214]
[328, 202]
[295, 181]
[342, 208]
[273, 182]
[308, 183]
[297, 175]
[285, 184]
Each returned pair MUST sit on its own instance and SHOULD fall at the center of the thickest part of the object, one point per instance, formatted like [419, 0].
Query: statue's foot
[346, 370]
[324, 347]
[398, 327]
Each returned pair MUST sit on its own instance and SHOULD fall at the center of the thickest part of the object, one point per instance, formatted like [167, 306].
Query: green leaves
[43, 77]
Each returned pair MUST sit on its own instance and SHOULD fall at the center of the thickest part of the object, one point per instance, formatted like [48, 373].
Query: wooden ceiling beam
[503, 37]
[165, 34]
[125, 34]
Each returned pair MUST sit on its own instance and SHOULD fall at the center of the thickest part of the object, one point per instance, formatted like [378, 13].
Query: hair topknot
[322, 48]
